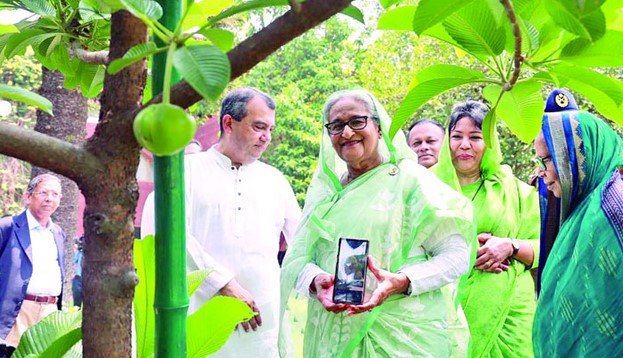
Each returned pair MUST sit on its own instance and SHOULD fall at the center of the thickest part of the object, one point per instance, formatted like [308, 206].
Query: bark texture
[67, 124]
[111, 195]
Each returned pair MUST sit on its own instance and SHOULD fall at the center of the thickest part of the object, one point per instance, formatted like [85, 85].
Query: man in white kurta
[236, 209]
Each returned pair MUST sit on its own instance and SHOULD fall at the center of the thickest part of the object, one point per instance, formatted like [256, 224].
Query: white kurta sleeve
[198, 259]
[449, 261]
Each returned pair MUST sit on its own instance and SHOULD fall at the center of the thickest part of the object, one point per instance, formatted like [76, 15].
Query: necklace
[477, 190]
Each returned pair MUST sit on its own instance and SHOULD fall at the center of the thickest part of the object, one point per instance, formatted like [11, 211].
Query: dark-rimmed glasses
[542, 161]
[355, 123]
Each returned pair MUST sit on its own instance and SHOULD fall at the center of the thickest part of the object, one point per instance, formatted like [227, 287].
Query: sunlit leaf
[25, 96]
[5, 29]
[52, 336]
[145, 321]
[428, 83]
[91, 79]
[195, 279]
[210, 327]
[39, 7]
[476, 30]
[431, 12]
[521, 108]
[142, 9]
[605, 52]
[133, 55]
[400, 18]
[388, 3]
[199, 12]
[589, 26]
[204, 67]
[354, 13]
[223, 39]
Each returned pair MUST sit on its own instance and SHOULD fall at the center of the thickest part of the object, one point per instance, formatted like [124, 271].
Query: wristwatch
[516, 247]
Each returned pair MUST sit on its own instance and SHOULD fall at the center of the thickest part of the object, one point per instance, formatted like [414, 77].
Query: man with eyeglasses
[31, 262]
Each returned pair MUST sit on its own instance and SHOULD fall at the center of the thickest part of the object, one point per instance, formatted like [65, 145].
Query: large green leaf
[223, 39]
[353, 12]
[608, 86]
[246, 6]
[210, 327]
[18, 42]
[145, 320]
[431, 12]
[25, 96]
[586, 25]
[195, 279]
[133, 55]
[388, 3]
[143, 9]
[521, 108]
[204, 67]
[91, 79]
[51, 337]
[400, 18]
[199, 12]
[428, 83]
[475, 28]
[6, 29]
[39, 7]
[605, 52]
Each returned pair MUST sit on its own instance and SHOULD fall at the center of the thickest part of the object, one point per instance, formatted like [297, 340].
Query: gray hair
[358, 95]
[235, 103]
[40, 179]
[474, 110]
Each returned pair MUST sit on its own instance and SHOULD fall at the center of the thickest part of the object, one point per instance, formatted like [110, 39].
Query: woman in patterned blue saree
[580, 306]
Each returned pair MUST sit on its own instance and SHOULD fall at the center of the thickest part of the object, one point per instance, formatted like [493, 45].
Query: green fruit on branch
[164, 129]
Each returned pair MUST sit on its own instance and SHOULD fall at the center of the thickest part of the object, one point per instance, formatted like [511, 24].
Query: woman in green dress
[368, 186]
[499, 297]
[579, 312]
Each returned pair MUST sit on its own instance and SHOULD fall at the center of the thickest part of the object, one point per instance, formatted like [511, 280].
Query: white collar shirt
[46, 271]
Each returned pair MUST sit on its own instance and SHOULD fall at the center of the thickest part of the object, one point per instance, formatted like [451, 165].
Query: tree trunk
[68, 124]
[109, 276]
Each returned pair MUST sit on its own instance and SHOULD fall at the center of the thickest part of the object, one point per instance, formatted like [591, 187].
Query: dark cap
[560, 100]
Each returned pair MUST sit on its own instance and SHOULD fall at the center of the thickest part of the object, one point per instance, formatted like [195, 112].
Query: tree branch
[518, 57]
[256, 48]
[47, 152]
[91, 57]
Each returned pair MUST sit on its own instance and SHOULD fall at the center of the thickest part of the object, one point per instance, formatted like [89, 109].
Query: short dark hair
[235, 103]
[426, 120]
[474, 110]
[34, 182]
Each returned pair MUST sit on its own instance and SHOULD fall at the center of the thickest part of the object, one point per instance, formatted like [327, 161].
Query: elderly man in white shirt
[237, 207]
[31, 257]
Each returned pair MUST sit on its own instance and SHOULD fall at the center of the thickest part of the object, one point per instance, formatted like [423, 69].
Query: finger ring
[490, 262]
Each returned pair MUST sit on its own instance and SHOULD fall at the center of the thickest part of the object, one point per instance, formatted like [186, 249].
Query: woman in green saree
[499, 297]
[579, 312]
[367, 186]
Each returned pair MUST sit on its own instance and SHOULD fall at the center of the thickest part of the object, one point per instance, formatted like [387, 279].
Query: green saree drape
[580, 307]
[499, 306]
[397, 206]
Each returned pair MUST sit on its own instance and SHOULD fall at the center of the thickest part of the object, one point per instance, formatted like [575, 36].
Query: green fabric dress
[580, 308]
[397, 206]
[499, 306]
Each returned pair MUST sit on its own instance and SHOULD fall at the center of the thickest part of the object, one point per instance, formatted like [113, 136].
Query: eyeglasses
[355, 123]
[45, 194]
[542, 161]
